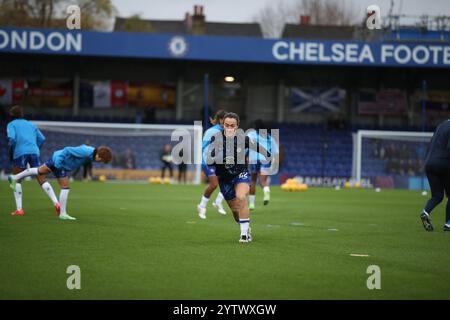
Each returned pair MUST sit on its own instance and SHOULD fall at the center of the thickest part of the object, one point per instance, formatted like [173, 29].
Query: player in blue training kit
[258, 163]
[229, 158]
[209, 171]
[60, 164]
[437, 168]
[25, 140]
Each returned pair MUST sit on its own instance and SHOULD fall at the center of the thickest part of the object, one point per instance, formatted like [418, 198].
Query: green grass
[139, 241]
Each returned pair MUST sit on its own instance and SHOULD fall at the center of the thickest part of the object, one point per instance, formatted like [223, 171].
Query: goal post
[139, 145]
[389, 154]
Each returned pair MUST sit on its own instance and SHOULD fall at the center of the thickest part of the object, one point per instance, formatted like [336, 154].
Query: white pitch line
[359, 255]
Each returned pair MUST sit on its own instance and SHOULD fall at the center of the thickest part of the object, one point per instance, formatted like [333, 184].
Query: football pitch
[141, 241]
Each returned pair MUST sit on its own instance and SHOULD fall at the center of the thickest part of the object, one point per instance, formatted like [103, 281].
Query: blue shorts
[31, 159]
[227, 186]
[58, 173]
[260, 167]
[209, 170]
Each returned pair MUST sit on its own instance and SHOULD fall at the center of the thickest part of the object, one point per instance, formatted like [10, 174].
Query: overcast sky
[244, 10]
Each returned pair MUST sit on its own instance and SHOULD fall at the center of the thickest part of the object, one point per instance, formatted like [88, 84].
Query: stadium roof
[210, 28]
[303, 31]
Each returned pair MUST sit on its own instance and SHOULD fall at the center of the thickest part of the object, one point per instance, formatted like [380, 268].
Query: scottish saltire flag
[316, 99]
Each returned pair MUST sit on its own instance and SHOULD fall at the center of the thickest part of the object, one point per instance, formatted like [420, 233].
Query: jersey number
[243, 175]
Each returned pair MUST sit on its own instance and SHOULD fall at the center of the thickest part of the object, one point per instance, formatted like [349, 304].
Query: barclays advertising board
[214, 48]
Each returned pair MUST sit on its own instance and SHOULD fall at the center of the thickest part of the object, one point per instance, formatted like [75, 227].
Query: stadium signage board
[40, 41]
[215, 48]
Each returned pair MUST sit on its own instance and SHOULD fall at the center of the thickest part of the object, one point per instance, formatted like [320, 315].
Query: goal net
[137, 148]
[390, 159]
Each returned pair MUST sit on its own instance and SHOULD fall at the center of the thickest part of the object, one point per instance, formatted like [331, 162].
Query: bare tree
[95, 14]
[51, 13]
[272, 18]
[26, 13]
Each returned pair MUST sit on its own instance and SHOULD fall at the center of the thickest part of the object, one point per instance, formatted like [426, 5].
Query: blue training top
[71, 158]
[207, 139]
[24, 137]
[270, 145]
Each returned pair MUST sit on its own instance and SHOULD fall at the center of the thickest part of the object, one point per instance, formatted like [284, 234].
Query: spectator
[118, 161]
[404, 152]
[130, 162]
[411, 168]
[382, 152]
[376, 148]
[166, 159]
[138, 117]
[182, 168]
[419, 166]
[391, 152]
[391, 166]
[401, 167]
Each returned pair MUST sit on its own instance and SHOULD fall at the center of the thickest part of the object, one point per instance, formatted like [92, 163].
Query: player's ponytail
[219, 115]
